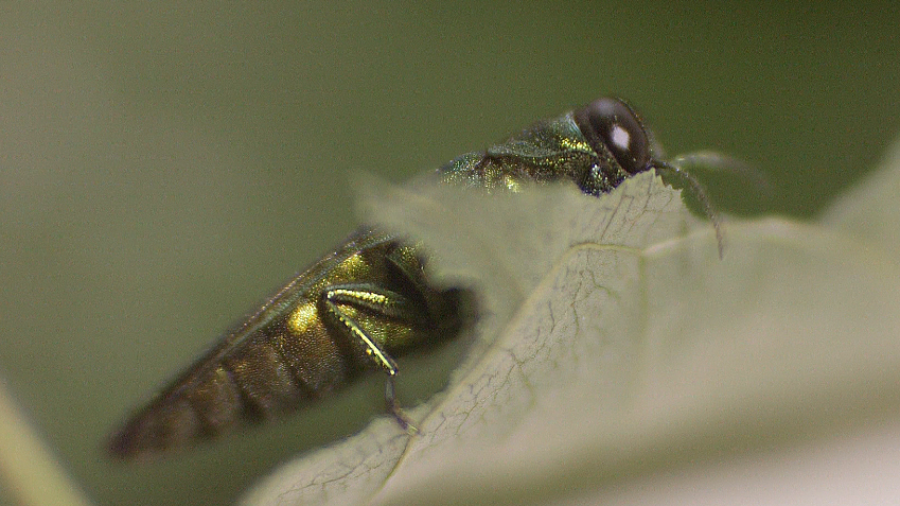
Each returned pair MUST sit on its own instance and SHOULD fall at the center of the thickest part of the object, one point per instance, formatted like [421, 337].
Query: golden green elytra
[370, 300]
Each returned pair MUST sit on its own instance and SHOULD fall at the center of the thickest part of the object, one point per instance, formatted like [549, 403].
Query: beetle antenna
[712, 161]
[699, 191]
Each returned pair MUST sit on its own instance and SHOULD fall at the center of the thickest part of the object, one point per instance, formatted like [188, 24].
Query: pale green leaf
[869, 210]
[614, 346]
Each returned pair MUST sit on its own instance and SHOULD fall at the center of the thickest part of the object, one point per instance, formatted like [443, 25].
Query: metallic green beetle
[370, 300]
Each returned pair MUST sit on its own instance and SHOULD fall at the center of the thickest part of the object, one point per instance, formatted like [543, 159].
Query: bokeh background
[164, 165]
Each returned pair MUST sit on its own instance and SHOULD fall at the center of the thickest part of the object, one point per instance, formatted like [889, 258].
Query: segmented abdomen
[271, 373]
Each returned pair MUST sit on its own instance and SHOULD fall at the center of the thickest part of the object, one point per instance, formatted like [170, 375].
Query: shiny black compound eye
[610, 124]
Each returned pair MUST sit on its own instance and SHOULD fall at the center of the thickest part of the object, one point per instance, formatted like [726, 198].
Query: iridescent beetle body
[352, 311]
[370, 300]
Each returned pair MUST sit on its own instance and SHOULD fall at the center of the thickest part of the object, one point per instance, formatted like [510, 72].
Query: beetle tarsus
[393, 406]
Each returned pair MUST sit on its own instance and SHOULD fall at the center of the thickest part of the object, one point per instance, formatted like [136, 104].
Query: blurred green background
[164, 165]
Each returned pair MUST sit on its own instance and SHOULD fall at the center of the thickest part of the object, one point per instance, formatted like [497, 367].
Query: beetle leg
[396, 410]
[384, 302]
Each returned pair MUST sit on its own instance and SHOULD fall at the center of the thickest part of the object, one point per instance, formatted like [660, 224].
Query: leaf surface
[613, 345]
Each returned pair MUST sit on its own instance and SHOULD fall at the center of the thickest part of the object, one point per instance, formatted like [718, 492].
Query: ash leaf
[615, 346]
